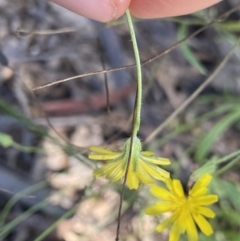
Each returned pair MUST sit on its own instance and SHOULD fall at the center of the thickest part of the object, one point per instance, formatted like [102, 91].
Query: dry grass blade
[219, 19]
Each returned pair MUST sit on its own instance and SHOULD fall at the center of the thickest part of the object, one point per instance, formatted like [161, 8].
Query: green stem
[228, 166]
[43, 235]
[137, 112]
[226, 158]
[6, 229]
[17, 197]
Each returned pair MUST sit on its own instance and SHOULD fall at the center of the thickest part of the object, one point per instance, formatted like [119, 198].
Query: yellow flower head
[187, 211]
[143, 164]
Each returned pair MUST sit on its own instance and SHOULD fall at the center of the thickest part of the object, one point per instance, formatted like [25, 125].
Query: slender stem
[22, 194]
[43, 235]
[125, 179]
[6, 229]
[137, 111]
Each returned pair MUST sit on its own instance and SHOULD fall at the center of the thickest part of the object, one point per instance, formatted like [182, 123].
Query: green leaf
[208, 167]
[226, 107]
[207, 141]
[232, 193]
[187, 52]
[231, 234]
[232, 216]
[228, 193]
[7, 109]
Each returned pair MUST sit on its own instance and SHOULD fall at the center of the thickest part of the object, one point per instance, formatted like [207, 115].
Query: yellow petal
[161, 193]
[116, 173]
[100, 172]
[191, 230]
[169, 184]
[174, 234]
[206, 200]
[102, 150]
[147, 153]
[198, 192]
[103, 157]
[202, 182]
[178, 228]
[167, 222]
[156, 160]
[159, 208]
[154, 171]
[106, 169]
[177, 188]
[132, 179]
[180, 224]
[181, 221]
[207, 212]
[203, 224]
[144, 176]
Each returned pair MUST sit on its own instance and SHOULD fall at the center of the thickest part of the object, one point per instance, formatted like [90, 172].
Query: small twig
[81, 76]
[219, 19]
[107, 92]
[16, 194]
[26, 33]
[193, 96]
[105, 77]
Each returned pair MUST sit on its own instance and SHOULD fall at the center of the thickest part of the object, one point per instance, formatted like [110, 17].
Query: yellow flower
[187, 211]
[143, 164]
